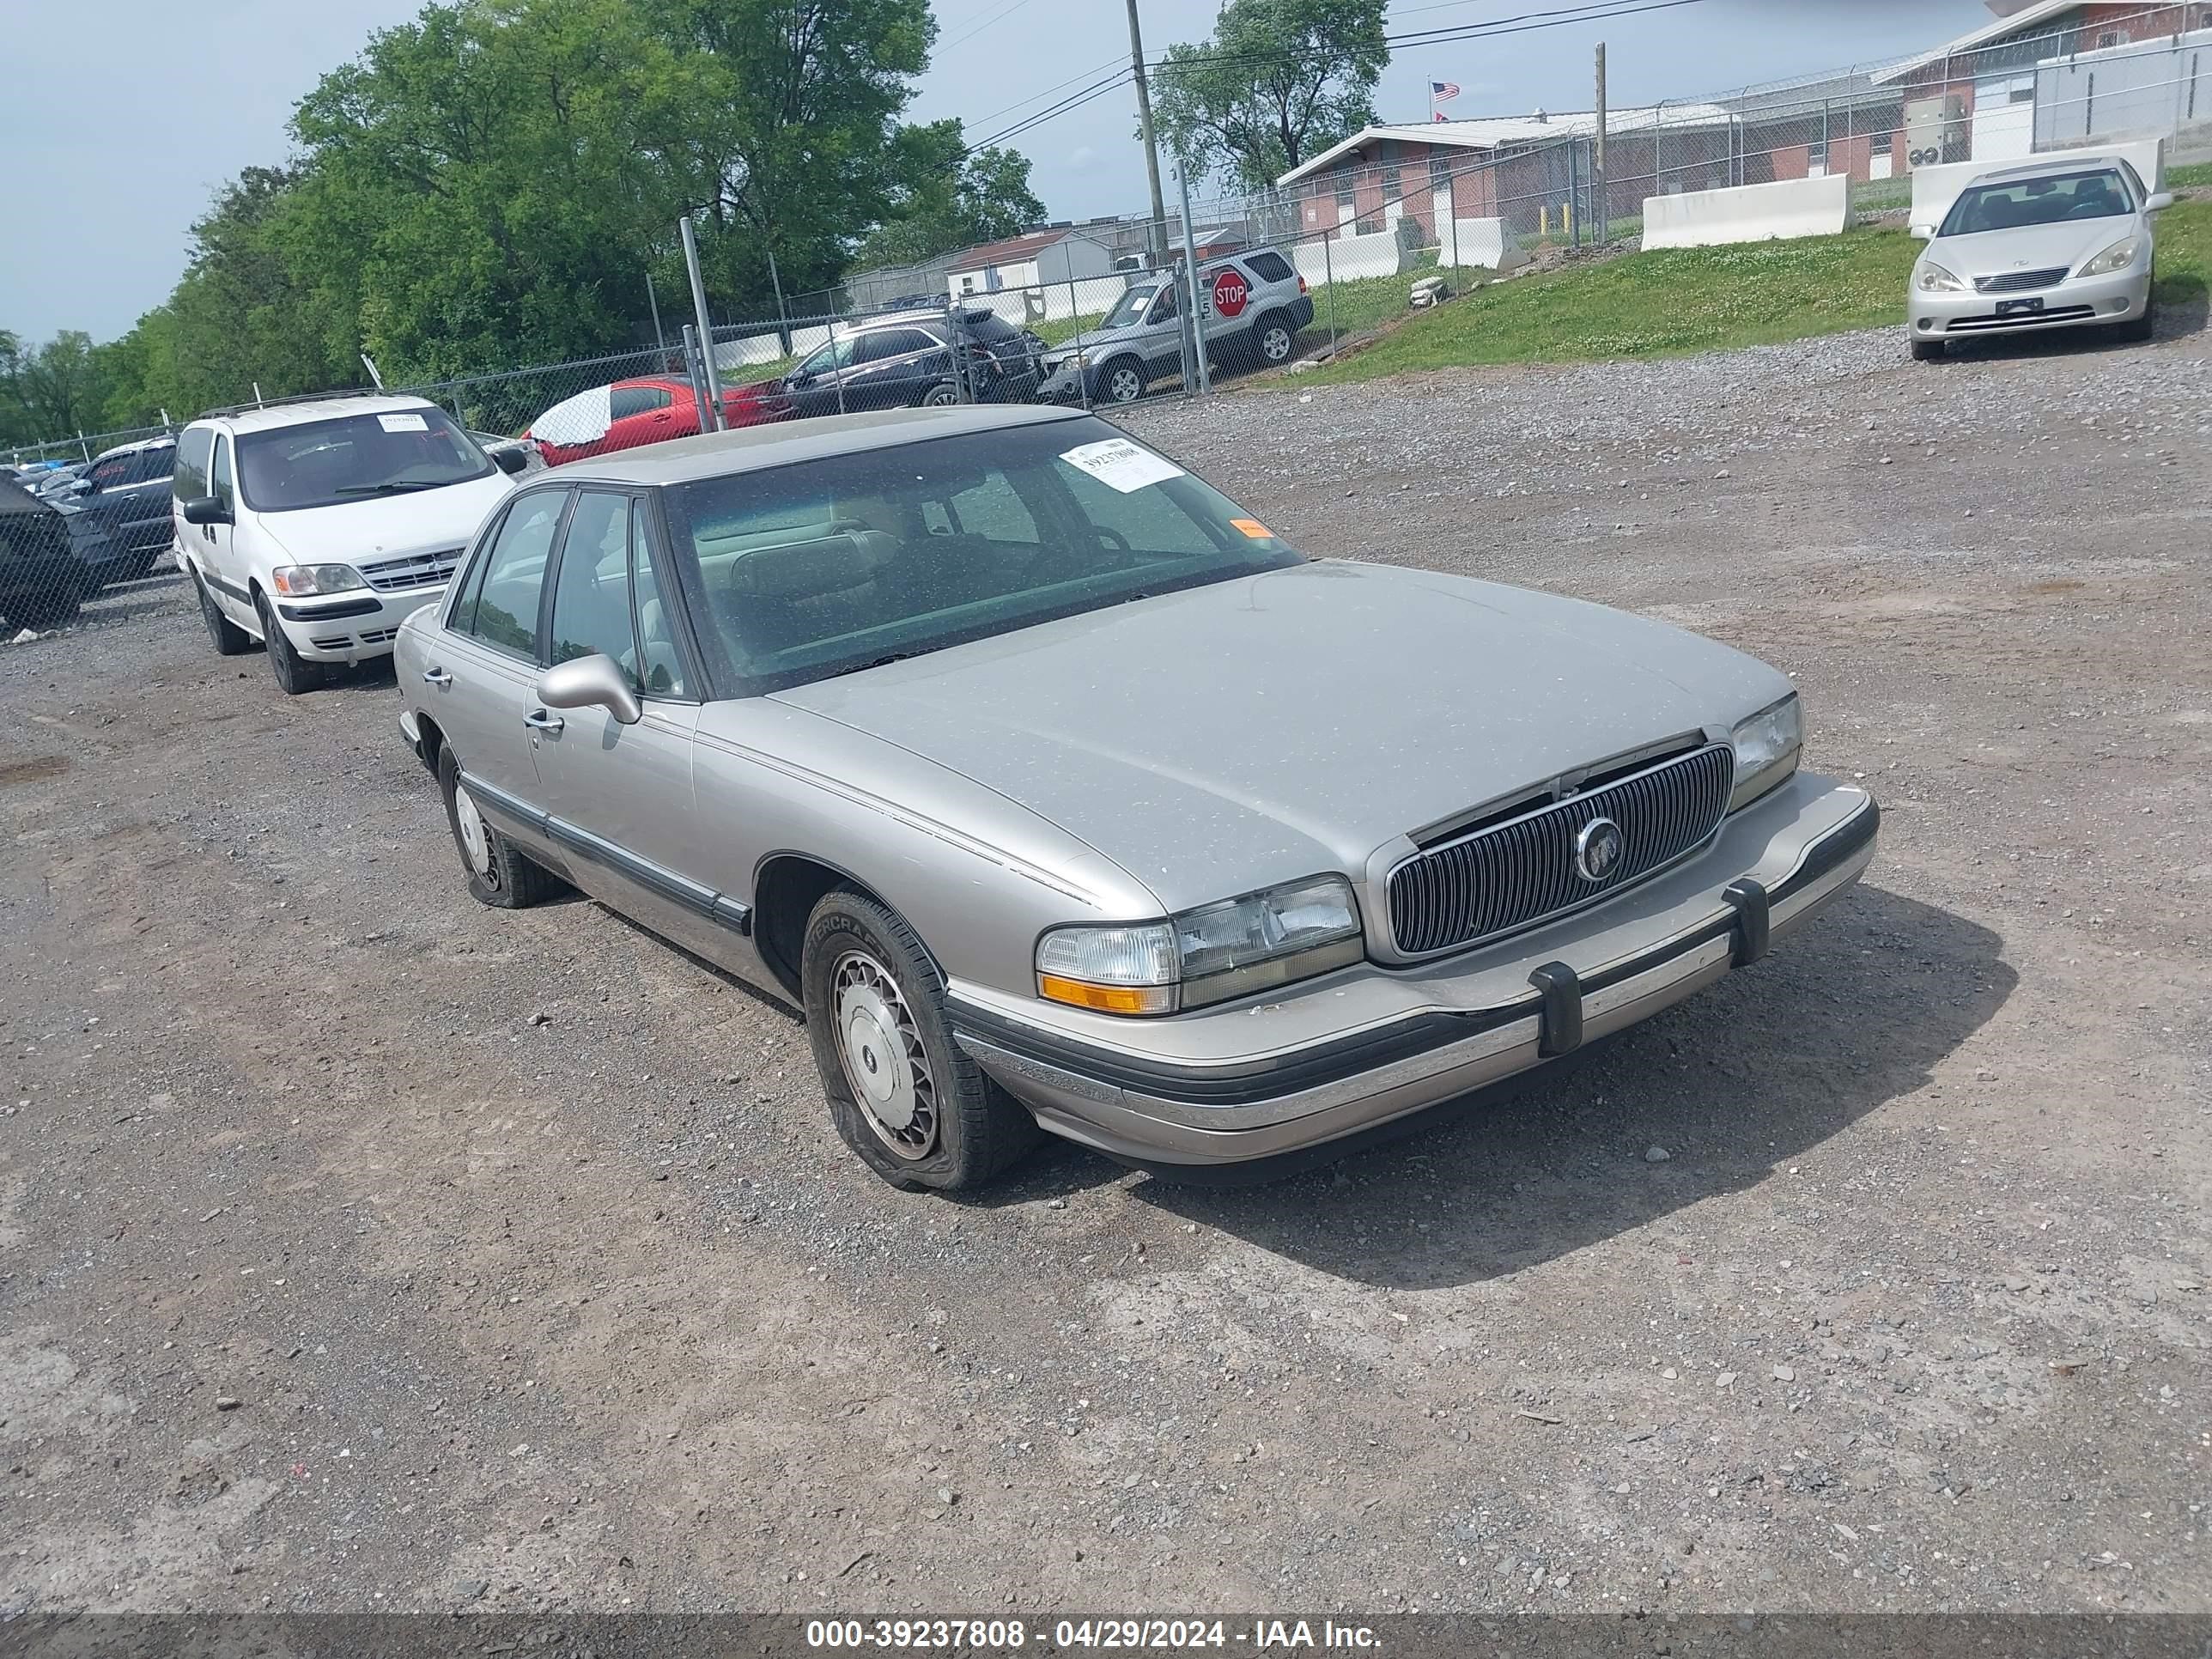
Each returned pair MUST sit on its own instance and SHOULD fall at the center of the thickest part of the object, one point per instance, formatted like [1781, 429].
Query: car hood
[2028, 248]
[1091, 340]
[1214, 740]
[378, 527]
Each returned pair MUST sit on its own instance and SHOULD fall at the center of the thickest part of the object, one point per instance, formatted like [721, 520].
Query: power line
[969, 34]
[1035, 97]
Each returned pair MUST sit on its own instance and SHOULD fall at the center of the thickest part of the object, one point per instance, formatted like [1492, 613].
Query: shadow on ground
[1761, 1068]
[2182, 311]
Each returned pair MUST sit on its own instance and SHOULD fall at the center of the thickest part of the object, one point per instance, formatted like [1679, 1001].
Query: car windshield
[824, 567]
[354, 457]
[1129, 307]
[2048, 201]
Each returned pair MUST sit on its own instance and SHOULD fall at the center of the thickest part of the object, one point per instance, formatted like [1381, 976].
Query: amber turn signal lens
[1108, 999]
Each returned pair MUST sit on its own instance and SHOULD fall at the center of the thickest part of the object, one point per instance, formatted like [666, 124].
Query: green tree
[948, 199]
[54, 391]
[1279, 81]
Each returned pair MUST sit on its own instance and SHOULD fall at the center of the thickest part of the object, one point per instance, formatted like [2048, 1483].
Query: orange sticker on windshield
[1255, 529]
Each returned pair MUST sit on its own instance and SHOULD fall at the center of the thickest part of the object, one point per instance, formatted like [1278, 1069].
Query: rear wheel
[912, 1107]
[1274, 340]
[295, 674]
[1927, 351]
[941, 397]
[499, 875]
[230, 639]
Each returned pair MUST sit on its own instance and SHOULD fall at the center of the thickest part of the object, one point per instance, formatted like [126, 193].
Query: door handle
[436, 676]
[540, 720]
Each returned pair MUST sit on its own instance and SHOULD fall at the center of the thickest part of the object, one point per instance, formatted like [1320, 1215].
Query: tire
[2144, 327]
[230, 639]
[942, 395]
[1927, 351]
[295, 675]
[1121, 381]
[959, 1128]
[1273, 341]
[499, 875]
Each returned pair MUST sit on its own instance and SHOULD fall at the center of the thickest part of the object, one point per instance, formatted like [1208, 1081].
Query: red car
[642, 411]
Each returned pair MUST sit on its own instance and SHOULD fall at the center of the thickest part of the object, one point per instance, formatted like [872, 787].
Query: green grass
[1059, 331]
[2196, 174]
[1680, 301]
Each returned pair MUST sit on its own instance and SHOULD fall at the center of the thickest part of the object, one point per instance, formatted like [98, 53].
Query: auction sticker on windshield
[403, 422]
[1121, 465]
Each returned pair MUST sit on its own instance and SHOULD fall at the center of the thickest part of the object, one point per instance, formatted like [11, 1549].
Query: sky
[118, 130]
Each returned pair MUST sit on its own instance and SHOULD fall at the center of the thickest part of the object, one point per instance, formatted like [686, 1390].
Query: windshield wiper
[390, 487]
[875, 662]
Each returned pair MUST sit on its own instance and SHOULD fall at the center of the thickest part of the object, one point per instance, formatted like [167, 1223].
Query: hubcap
[885, 1063]
[476, 839]
[1277, 344]
[1125, 385]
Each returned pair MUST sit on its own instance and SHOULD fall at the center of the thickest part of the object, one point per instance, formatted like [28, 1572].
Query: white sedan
[2065, 243]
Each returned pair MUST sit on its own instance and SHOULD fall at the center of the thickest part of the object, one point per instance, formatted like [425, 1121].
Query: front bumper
[1343, 1054]
[2078, 303]
[350, 626]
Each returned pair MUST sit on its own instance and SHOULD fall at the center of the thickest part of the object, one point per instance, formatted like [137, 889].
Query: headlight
[1766, 748]
[1205, 954]
[2118, 257]
[293, 579]
[1932, 278]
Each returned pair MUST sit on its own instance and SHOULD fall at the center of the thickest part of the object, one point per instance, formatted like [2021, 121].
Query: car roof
[2073, 163]
[310, 409]
[748, 449]
[165, 441]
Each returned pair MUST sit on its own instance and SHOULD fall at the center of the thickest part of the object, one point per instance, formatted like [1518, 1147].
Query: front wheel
[1927, 351]
[941, 397]
[2143, 327]
[911, 1104]
[230, 639]
[1121, 381]
[294, 673]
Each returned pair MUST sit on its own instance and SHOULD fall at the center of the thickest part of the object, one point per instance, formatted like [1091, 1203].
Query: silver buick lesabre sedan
[1057, 790]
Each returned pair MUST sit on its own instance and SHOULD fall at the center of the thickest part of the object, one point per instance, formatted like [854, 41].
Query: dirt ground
[329, 1280]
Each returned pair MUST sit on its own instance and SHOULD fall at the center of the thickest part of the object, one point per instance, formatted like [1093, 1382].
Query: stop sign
[1231, 293]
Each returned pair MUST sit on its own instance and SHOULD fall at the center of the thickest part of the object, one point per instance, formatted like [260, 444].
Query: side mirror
[2160, 202]
[205, 509]
[509, 460]
[1925, 233]
[592, 682]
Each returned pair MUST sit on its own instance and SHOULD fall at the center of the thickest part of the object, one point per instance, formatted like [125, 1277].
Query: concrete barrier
[1936, 188]
[1473, 242]
[1748, 213]
[1349, 258]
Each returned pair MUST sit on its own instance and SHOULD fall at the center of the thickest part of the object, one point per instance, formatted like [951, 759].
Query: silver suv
[1251, 306]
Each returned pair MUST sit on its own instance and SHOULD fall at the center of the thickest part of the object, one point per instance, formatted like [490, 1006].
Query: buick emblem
[1598, 849]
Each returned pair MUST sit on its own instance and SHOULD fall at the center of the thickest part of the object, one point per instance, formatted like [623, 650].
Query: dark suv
[52, 560]
[125, 493]
[889, 362]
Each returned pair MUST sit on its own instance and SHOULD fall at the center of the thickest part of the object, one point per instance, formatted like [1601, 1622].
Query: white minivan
[319, 525]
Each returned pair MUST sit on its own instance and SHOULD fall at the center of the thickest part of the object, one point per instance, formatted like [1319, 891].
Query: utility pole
[1151, 142]
[712, 414]
[1193, 332]
[1597, 157]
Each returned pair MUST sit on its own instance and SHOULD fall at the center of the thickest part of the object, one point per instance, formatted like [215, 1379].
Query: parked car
[994, 740]
[648, 411]
[909, 359]
[2069, 242]
[52, 560]
[317, 526]
[59, 479]
[1252, 305]
[126, 493]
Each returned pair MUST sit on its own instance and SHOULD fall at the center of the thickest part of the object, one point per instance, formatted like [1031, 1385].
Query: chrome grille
[416, 570]
[1510, 875]
[2019, 281]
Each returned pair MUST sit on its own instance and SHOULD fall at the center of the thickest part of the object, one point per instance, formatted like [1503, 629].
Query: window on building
[1347, 190]
[1394, 186]
[1440, 169]
[1884, 142]
[2112, 38]
[1367, 224]
[1816, 159]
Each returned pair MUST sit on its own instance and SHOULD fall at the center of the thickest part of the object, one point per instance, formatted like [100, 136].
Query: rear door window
[505, 615]
[194, 450]
[1270, 267]
[628, 400]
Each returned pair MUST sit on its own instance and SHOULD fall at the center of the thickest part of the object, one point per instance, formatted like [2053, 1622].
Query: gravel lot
[331, 1280]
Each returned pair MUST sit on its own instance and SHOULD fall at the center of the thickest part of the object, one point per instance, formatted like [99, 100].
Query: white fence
[1026, 307]
[2162, 85]
[1748, 213]
[1349, 258]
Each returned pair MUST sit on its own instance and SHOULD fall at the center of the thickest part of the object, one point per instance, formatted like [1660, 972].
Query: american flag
[1441, 91]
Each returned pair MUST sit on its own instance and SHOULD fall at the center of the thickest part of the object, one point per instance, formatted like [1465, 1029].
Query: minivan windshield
[826, 566]
[2102, 194]
[354, 457]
